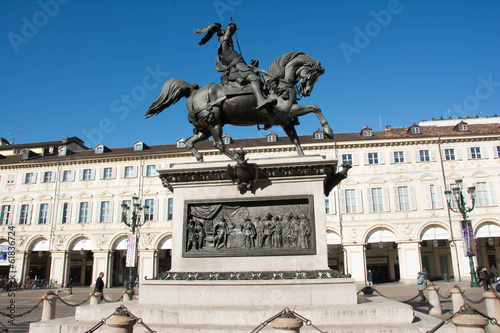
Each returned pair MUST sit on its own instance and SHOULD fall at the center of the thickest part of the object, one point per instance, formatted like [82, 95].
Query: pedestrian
[99, 285]
[493, 273]
[370, 277]
[421, 285]
[485, 278]
[69, 285]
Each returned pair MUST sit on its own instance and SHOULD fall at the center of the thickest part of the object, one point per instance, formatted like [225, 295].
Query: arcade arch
[487, 235]
[382, 255]
[435, 251]
[81, 260]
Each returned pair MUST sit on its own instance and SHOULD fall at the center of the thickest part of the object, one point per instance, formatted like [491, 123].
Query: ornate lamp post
[456, 196]
[134, 223]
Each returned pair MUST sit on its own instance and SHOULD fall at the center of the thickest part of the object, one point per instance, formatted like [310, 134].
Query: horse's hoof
[328, 131]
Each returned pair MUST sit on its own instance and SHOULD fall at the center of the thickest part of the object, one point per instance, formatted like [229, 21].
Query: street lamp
[134, 223]
[456, 196]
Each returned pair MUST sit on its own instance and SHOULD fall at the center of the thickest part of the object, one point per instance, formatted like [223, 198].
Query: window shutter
[72, 175]
[101, 173]
[112, 211]
[122, 172]
[155, 210]
[113, 173]
[392, 160]
[387, 205]
[144, 170]
[443, 154]
[484, 152]
[359, 201]
[458, 154]
[80, 174]
[90, 217]
[469, 155]
[381, 158]
[411, 190]
[427, 196]
[439, 196]
[59, 217]
[366, 158]
[35, 176]
[492, 194]
[396, 199]
[49, 214]
[24, 178]
[355, 159]
[30, 211]
[342, 202]
[432, 155]
[92, 174]
[406, 155]
[370, 201]
[134, 173]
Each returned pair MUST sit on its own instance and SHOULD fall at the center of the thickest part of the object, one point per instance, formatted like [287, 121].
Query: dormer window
[99, 149]
[138, 145]
[415, 130]
[272, 137]
[318, 135]
[63, 151]
[367, 132]
[181, 143]
[226, 139]
[25, 154]
[462, 127]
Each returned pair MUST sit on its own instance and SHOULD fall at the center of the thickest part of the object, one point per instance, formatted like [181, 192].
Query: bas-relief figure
[246, 230]
[246, 96]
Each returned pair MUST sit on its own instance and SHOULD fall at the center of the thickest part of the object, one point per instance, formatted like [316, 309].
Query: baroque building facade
[62, 202]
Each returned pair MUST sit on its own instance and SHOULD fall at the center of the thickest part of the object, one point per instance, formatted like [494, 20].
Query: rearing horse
[212, 106]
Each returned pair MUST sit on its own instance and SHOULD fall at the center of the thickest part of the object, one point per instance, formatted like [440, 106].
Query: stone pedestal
[492, 310]
[457, 298]
[434, 302]
[469, 323]
[121, 323]
[95, 298]
[290, 325]
[128, 295]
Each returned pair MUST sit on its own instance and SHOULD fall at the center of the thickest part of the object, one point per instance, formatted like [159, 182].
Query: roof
[340, 138]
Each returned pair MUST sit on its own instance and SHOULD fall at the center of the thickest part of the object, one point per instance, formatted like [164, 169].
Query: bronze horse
[212, 106]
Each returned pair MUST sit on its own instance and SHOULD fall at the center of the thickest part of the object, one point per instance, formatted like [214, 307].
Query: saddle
[234, 89]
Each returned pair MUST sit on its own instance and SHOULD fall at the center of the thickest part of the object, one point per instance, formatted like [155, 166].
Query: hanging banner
[4, 249]
[131, 251]
[468, 238]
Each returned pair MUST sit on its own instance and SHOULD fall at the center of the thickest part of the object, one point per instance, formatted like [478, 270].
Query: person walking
[485, 278]
[421, 285]
[370, 277]
[493, 273]
[69, 285]
[99, 285]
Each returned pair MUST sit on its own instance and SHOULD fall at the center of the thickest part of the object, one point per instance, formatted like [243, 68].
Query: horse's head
[308, 74]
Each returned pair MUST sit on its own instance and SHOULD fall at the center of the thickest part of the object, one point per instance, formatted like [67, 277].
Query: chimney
[388, 128]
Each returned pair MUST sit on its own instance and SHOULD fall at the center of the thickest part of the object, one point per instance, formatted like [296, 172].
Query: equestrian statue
[246, 96]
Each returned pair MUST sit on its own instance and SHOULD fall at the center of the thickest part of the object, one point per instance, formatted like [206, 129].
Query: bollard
[49, 306]
[128, 295]
[121, 322]
[95, 298]
[457, 299]
[492, 310]
[287, 324]
[434, 303]
[469, 323]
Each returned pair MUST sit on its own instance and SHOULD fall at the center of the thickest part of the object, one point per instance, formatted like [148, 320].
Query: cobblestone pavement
[26, 299]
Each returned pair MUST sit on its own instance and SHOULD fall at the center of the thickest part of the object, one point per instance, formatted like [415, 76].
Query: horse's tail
[173, 90]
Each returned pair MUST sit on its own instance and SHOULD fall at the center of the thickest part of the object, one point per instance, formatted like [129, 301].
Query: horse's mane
[277, 68]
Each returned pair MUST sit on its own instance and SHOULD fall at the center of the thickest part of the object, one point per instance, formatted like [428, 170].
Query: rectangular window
[327, 205]
[84, 212]
[350, 201]
[347, 159]
[44, 211]
[87, 174]
[377, 200]
[65, 212]
[125, 210]
[149, 211]
[403, 198]
[399, 157]
[151, 171]
[482, 194]
[25, 214]
[372, 158]
[498, 155]
[29, 178]
[128, 172]
[47, 177]
[11, 179]
[105, 211]
[170, 213]
[5, 215]
[449, 154]
[66, 177]
[424, 156]
[475, 153]
[108, 173]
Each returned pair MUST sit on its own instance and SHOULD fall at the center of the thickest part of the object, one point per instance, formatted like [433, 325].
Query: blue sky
[91, 68]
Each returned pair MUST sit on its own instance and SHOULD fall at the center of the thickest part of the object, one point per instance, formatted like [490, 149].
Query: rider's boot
[262, 102]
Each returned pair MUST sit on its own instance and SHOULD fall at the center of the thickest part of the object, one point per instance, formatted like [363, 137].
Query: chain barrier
[22, 314]
[107, 300]
[72, 305]
[443, 297]
[497, 295]
[482, 299]
[286, 313]
[121, 311]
